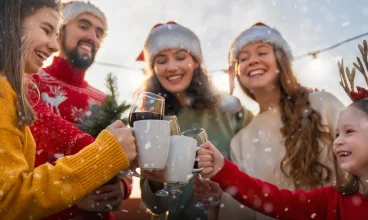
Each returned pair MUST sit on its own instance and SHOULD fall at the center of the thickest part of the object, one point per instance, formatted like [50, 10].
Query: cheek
[242, 72]
[160, 72]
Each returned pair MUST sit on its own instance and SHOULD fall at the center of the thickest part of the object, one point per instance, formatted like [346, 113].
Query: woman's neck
[268, 98]
[182, 98]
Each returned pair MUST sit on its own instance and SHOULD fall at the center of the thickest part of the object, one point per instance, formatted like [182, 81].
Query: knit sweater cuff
[100, 161]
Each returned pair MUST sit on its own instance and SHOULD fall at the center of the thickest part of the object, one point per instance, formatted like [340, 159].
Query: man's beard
[76, 59]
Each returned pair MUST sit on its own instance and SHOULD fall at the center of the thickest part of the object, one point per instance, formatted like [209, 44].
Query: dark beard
[77, 60]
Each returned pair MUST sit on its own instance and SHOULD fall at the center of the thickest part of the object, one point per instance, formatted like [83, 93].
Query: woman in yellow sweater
[28, 30]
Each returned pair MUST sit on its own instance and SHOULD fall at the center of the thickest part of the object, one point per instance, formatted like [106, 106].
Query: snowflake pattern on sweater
[64, 97]
[67, 100]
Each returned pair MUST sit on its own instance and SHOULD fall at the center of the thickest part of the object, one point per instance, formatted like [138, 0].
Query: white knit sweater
[258, 150]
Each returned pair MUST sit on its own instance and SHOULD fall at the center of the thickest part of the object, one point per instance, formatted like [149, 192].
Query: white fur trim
[170, 36]
[75, 8]
[258, 33]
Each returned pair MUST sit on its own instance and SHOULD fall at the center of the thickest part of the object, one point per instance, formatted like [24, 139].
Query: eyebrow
[48, 24]
[181, 50]
[83, 20]
[263, 45]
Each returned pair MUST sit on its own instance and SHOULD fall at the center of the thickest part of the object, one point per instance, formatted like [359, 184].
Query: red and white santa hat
[168, 36]
[73, 9]
[258, 32]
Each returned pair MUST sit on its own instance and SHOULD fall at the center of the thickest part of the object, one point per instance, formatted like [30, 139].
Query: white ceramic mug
[182, 154]
[152, 138]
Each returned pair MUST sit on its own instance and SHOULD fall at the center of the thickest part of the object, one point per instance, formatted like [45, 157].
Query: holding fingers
[210, 159]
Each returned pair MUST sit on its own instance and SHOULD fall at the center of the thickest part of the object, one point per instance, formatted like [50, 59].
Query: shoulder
[325, 100]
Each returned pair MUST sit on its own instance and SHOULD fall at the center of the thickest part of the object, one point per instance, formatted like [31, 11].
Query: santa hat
[73, 9]
[167, 36]
[258, 32]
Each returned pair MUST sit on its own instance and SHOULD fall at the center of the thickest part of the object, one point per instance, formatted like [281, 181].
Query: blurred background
[307, 25]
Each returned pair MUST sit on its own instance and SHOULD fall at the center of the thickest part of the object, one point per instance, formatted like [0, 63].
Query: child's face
[351, 144]
[39, 33]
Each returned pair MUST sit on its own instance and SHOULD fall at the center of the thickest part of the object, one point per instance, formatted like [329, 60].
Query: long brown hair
[12, 15]
[201, 92]
[348, 183]
[303, 131]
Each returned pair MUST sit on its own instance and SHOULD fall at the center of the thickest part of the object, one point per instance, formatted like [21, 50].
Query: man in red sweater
[66, 98]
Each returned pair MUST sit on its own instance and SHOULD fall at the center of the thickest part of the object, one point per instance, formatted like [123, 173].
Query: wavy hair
[302, 130]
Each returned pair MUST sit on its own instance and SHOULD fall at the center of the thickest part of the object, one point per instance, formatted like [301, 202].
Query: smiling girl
[348, 200]
[28, 30]
[288, 142]
[174, 58]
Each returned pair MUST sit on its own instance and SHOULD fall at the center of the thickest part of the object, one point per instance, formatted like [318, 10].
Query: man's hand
[107, 198]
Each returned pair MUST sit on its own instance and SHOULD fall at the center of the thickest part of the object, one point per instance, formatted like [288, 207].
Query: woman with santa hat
[174, 59]
[288, 142]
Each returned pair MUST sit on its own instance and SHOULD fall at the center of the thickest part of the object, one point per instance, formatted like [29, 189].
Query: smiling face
[174, 69]
[81, 39]
[39, 32]
[351, 144]
[257, 67]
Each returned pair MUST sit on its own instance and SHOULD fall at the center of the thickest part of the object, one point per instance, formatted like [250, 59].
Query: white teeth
[42, 55]
[256, 72]
[86, 47]
[344, 154]
[175, 77]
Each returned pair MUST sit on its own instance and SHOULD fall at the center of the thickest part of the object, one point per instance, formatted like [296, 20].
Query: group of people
[301, 139]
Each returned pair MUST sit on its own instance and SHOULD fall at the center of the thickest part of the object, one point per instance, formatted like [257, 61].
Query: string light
[312, 54]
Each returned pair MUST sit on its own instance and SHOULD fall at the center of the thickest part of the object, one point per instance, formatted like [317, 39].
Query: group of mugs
[157, 149]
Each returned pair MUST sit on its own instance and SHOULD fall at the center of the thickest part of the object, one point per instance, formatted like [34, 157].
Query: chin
[176, 88]
[31, 69]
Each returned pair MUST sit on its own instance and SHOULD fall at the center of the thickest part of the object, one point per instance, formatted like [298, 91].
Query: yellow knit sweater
[29, 193]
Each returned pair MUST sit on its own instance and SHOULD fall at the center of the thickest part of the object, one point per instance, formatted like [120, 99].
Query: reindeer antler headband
[347, 77]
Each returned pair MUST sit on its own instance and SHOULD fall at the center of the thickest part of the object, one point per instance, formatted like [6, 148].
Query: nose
[92, 35]
[172, 66]
[339, 141]
[53, 45]
[253, 60]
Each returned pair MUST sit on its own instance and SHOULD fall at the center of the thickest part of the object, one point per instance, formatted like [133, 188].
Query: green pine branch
[102, 115]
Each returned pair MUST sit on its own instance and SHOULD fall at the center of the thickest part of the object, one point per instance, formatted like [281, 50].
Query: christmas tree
[102, 115]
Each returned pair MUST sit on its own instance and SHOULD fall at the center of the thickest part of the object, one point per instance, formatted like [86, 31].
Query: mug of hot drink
[152, 138]
[182, 155]
[152, 134]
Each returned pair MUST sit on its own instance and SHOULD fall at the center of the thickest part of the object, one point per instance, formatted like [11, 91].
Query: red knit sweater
[65, 97]
[323, 203]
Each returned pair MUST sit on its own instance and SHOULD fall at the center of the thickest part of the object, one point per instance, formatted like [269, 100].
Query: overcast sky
[307, 25]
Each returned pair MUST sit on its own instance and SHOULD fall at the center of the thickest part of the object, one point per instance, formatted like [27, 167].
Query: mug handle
[198, 169]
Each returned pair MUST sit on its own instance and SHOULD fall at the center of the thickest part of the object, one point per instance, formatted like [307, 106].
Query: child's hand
[210, 159]
[206, 189]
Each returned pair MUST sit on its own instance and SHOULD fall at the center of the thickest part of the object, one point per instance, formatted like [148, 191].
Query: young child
[346, 200]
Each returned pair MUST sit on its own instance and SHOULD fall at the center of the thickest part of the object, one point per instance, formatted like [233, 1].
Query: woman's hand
[210, 159]
[125, 138]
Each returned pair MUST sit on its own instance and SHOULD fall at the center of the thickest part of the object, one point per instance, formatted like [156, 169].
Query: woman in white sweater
[288, 142]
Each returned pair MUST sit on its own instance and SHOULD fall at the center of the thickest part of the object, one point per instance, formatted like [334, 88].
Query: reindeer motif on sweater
[54, 101]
